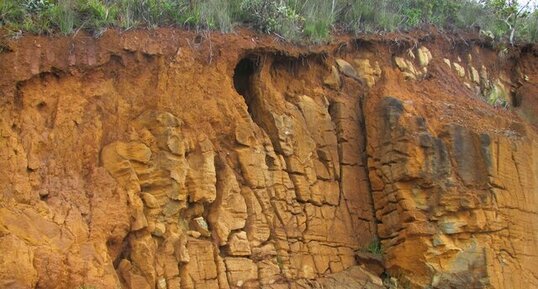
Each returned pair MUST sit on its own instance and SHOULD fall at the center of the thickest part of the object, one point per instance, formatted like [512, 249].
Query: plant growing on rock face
[375, 247]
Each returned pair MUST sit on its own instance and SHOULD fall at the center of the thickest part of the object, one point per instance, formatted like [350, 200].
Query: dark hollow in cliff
[243, 77]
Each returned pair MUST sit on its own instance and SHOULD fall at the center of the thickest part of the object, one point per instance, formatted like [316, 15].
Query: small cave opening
[243, 77]
[517, 99]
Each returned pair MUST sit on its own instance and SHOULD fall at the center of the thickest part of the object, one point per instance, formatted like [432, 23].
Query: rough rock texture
[167, 159]
[454, 195]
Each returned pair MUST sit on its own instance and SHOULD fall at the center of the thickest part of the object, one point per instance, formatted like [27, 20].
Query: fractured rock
[333, 79]
[242, 272]
[424, 56]
[367, 72]
[346, 68]
[238, 244]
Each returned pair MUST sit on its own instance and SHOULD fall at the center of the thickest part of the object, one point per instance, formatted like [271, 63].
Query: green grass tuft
[375, 247]
[63, 16]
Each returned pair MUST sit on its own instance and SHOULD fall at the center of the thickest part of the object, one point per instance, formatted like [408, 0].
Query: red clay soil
[22, 58]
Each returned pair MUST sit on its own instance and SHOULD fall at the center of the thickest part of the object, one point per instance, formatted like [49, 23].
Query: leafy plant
[37, 5]
[375, 247]
[97, 15]
[529, 30]
[273, 17]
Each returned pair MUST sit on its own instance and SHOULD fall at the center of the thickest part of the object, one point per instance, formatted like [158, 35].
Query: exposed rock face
[451, 195]
[135, 162]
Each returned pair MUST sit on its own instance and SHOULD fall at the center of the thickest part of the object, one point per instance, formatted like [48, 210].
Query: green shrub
[151, 13]
[10, 12]
[318, 21]
[97, 14]
[272, 17]
[29, 16]
[370, 16]
[215, 14]
[293, 20]
[437, 12]
[530, 28]
[62, 15]
[36, 6]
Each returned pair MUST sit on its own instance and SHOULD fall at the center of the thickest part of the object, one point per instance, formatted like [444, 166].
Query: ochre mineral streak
[168, 160]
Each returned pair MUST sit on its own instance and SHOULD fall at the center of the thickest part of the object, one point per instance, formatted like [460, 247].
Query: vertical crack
[364, 155]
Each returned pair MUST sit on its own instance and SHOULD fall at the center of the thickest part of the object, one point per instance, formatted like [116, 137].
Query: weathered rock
[132, 279]
[408, 69]
[134, 151]
[242, 272]
[333, 79]
[417, 166]
[229, 211]
[130, 161]
[447, 62]
[201, 271]
[201, 181]
[150, 201]
[200, 225]
[526, 103]
[475, 76]
[17, 264]
[143, 257]
[238, 245]
[368, 73]
[354, 277]
[159, 230]
[424, 56]
[346, 68]
[373, 262]
[459, 69]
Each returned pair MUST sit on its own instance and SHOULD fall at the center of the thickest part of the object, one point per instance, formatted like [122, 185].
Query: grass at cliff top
[292, 20]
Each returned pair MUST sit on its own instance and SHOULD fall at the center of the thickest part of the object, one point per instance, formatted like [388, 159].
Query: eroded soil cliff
[170, 159]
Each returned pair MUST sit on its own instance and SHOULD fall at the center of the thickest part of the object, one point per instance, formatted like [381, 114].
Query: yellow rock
[333, 79]
[424, 56]
[368, 73]
[459, 69]
[447, 62]
[346, 68]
